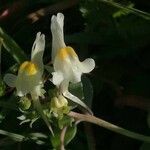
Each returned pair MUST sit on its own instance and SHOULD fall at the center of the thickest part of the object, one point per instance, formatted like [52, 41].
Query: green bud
[24, 103]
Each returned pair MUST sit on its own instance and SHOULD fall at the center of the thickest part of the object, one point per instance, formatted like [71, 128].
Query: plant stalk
[109, 126]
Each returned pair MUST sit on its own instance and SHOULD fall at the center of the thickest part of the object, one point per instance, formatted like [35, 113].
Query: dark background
[118, 40]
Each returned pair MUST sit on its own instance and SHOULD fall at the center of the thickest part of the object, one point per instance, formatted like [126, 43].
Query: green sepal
[24, 103]
[65, 121]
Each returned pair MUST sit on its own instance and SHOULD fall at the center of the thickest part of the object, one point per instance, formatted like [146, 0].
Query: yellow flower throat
[28, 67]
[66, 52]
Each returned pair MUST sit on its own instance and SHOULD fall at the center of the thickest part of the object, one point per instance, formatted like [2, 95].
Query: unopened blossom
[59, 106]
[67, 66]
[29, 78]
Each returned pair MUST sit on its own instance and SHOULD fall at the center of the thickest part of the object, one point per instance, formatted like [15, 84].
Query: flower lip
[29, 68]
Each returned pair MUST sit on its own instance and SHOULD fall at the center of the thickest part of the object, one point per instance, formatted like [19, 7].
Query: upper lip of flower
[30, 72]
[66, 63]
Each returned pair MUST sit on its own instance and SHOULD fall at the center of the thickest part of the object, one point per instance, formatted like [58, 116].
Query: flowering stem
[109, 126]
[38, 107]
[62, 137]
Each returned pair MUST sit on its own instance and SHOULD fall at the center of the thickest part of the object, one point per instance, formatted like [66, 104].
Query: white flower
[67, 67]
[29, 78]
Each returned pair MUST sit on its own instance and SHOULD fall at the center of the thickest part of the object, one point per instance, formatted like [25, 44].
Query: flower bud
[59, 105]
[59, 102]
[24, 103]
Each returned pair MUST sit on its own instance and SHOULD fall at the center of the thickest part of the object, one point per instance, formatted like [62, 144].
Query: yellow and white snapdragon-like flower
[29, 78]
[67, 67]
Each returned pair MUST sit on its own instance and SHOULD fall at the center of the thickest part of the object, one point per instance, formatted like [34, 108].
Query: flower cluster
[67, 69]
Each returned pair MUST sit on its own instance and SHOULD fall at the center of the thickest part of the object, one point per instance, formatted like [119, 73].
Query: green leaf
[88, 91]
[77, 89]
[13, 136]
[28, 117]
[134, 11]
[70, 134]
[123, 12]
[65, 121]
[38, 135]
[55, 140]
[12, 47]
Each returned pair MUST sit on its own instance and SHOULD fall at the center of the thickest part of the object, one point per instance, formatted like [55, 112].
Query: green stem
[38, 107]
[62, 138]
[109, 126]
[137, 12]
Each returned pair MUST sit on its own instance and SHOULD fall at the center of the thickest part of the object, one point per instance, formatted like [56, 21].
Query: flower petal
[21, 85]
[38, 50]
[10, 79]
[26, 84]
[64, 90]
[76, 75]
[57, 23]
[57, 78]
[38, 91]
[75, 99]
[87, 65]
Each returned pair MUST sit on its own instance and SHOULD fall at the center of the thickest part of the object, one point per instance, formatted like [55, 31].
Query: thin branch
[134, 11]
[62, 138]
[109, 126]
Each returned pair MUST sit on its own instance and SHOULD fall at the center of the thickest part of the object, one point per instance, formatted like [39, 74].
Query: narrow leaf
[12, 47]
